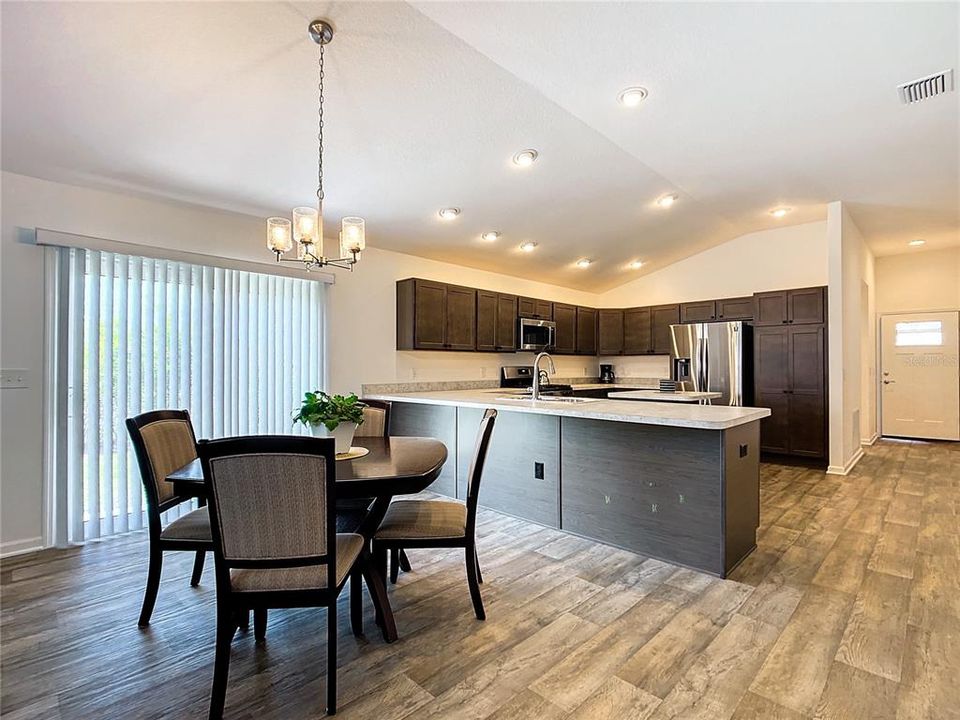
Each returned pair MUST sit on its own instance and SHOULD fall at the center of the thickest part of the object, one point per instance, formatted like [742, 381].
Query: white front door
[920, 375]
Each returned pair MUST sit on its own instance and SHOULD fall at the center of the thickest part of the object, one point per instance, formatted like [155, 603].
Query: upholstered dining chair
[441, 523]
[163, 441]
[376, 419]
[272, 503]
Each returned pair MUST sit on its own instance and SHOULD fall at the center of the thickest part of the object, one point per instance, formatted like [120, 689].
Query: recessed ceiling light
[632, 96]
[667, 200]
[584, 263]
[449, 213]
[635, 265]
[917, 243]
[491, 236]
[780, 211]
[528, 246]
[525, 158]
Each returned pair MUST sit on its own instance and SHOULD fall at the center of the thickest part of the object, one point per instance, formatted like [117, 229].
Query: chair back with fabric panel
[476, 466]
[163, 441]
[272, 502]
[376, 419]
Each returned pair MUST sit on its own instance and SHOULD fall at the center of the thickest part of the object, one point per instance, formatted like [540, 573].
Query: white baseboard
[838, 470]
[870, 441]
[19, 547]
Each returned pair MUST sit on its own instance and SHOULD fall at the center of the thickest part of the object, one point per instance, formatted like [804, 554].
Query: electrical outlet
[538, 470]
[14, 379]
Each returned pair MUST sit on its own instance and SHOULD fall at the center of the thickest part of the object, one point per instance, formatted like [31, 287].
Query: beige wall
[919, 280]
[788, 257]
[851, 339]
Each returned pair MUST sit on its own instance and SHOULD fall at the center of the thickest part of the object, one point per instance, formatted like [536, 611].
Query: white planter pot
[342, 435]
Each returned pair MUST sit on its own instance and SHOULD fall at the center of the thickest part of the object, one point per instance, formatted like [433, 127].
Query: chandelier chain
[320, 136]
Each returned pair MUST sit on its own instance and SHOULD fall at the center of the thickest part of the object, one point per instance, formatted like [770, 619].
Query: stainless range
[520, 378]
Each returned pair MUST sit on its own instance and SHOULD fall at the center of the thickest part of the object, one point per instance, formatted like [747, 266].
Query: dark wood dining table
[394, 466]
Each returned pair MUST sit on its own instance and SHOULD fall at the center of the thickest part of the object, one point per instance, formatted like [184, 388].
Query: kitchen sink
[548, 398]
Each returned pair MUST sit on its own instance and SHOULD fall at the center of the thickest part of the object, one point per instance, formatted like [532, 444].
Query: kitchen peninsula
[674, 481]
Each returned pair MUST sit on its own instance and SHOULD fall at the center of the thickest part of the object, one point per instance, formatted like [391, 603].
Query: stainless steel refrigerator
[714, 357]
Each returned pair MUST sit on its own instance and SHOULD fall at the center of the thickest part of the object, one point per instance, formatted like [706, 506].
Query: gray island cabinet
[675, 482]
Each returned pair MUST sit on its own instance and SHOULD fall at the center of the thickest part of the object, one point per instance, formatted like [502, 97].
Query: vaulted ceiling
[750, 106]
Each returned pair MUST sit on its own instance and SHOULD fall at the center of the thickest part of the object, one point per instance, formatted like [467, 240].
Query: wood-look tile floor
[849, 608]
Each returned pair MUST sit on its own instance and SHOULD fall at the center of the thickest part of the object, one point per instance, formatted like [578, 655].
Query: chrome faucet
[537, 371]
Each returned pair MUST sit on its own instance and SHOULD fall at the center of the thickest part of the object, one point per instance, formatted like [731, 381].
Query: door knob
[887, 382]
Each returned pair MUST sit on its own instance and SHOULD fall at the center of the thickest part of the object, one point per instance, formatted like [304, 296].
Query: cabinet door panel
[661, 318]
[544, 310]
[636, 331]
[805, 306]
[807, 420]
[527, 307]
[430, 317]
[770, 308]
[486, 321]
[806, 359]
[461, 318]
[703, 311]
[610, 325]
[735, 308]
[506, 329]
[771, 366]
[586, 331]
[565, 316]
[775, 430]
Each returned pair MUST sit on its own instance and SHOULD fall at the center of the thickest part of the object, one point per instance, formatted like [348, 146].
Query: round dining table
[393, 466]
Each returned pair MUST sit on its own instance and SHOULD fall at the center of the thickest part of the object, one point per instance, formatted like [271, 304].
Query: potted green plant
[335, 416]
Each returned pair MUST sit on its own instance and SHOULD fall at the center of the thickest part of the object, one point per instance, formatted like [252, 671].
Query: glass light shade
[306, 225]
[352, 236]
[278, 234]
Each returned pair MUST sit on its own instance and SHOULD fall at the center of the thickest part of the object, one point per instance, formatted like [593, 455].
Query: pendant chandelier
[306, 227]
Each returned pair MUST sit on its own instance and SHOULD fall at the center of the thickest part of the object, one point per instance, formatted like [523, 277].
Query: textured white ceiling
[751, 106]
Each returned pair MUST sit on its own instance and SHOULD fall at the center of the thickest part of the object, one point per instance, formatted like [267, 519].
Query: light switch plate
[14, 378]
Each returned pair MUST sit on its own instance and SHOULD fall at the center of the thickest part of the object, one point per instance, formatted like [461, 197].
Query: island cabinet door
[651, 489]
[437, 421]
[521, 475]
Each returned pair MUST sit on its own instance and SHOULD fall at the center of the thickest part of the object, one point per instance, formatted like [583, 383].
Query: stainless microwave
[536, 334]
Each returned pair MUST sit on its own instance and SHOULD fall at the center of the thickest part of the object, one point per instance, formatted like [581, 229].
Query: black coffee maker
[606, 374]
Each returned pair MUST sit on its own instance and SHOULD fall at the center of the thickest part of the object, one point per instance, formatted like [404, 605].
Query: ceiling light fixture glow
[635, 265]
[584, 263]
[917, 243]
[525, 158]
[667, 200]
[449, 213]
[491, 236]
[780, 211]
[528, 246]
[631, 97]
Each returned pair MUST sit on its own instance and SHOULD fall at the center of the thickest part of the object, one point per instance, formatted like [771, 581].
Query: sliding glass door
[237, 349]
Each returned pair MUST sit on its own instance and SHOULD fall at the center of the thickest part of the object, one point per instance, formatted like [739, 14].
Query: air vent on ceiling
[926, 87]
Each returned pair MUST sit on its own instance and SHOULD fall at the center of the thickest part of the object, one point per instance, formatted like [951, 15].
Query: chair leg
[197, 568]
[394, 565]
[381, 601]
[477, 560]
[471, 561]
[378, 565]
[404, 561]
[259, 624]
[221, 665]
[153, 586]
[356, 600]
[332, 657]
[243, 620]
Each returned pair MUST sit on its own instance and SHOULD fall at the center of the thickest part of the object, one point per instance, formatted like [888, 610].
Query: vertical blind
[237, 349]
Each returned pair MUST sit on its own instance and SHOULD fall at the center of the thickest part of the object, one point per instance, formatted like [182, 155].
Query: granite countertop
[657, 396]
[705, 417]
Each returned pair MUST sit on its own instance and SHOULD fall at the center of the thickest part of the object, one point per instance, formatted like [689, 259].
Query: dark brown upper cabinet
[586, 331]
[738, 308]
[435, 316]
[701, 311]
[533, 308]
[565, 317]
[637, 339]
[609, 332]
[496, 322]
[661, 318]
[790, 307]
